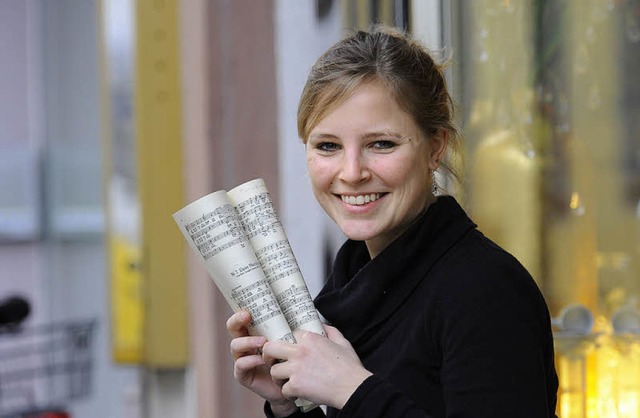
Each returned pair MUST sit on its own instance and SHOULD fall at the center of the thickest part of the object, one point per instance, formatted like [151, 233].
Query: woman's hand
[325, 371]
[250, 369]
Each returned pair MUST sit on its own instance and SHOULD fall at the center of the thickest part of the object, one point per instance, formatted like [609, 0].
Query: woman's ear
[438, 147]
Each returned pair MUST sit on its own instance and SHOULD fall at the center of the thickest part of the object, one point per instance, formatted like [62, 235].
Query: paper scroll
[266, 234]
[242, 244]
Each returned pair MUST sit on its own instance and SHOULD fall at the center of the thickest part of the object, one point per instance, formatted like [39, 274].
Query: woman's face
[370, 165]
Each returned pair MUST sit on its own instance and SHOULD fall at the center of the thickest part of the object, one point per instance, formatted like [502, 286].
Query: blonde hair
[394, 59]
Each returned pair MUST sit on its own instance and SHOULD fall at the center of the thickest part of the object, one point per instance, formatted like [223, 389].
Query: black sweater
[450, 325]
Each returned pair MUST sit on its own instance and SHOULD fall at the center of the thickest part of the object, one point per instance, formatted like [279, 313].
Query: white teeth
[360, 199]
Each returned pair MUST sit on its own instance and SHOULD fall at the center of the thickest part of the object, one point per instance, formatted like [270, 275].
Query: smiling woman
[428, 317]
[368, 146]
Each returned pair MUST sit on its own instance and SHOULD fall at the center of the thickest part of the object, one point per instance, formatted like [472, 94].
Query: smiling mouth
[360, 199]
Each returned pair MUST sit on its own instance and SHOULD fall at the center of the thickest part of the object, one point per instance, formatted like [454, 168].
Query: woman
[429, 318]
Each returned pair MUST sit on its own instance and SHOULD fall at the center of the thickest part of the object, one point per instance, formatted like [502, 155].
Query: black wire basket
[43, 368]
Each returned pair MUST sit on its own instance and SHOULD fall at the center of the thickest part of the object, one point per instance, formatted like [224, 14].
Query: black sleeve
[377, 398]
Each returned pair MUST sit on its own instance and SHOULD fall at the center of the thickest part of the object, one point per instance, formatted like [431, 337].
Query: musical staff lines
[245, 250]
[297, 306]
[258, 216]
[210, 231]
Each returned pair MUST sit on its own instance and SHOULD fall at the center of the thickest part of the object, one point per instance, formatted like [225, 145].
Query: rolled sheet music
[242, 244]
[269, 241]
[213, 230]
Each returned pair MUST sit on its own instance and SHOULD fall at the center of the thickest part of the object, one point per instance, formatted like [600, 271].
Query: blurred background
[116, 113]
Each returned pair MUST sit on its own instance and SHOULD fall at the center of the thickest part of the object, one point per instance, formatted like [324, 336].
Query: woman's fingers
[276, 354]
[323, 370]
[238, 324]
[245, 366]
[335, 335]
[277, 350]
[280, 371]
[245, 346]
[242, 344]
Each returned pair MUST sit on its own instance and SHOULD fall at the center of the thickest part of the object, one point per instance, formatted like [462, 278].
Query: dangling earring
[434, 185]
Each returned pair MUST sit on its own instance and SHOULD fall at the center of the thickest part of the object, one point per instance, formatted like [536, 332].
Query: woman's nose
[354, 167]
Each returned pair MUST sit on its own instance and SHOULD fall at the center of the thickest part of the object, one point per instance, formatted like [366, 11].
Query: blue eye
[327, 146]
[383, 144]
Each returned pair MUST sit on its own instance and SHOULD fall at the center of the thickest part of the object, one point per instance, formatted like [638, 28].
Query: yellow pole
[158, 122]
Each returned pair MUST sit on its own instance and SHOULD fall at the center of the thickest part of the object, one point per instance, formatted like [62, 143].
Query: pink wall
[230, 122]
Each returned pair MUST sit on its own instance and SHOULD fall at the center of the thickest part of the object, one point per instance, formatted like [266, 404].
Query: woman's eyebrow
[321, 136]
[377, 134]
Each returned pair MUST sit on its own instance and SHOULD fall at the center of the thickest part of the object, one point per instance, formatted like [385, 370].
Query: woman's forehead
[335, 94]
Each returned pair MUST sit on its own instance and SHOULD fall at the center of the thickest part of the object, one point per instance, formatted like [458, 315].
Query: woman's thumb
[335, 335]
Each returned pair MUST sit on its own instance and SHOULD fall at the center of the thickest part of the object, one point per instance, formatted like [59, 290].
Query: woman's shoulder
[476, 268]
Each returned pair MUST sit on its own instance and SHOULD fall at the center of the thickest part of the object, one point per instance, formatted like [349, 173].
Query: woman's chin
[358, 233]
